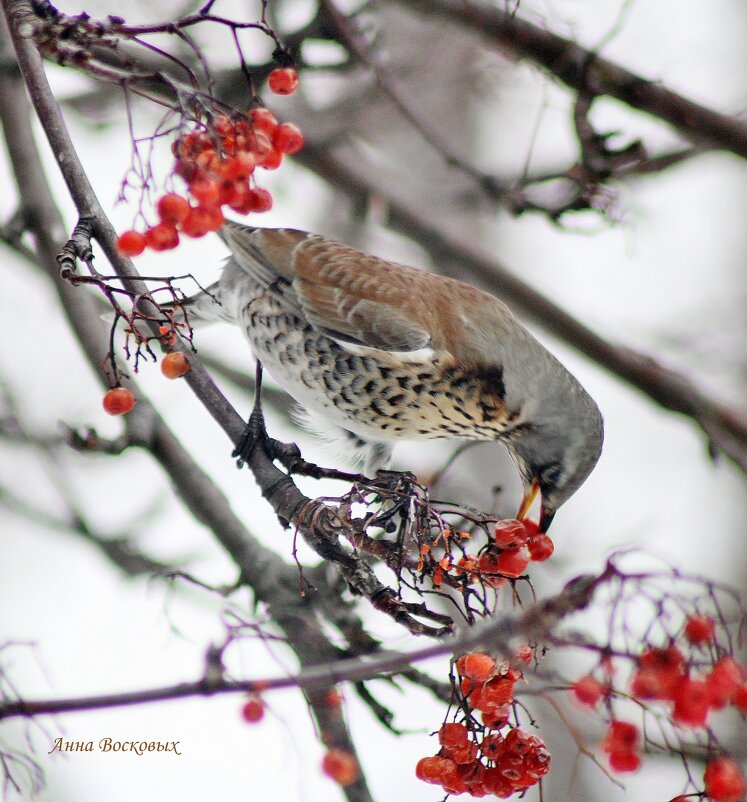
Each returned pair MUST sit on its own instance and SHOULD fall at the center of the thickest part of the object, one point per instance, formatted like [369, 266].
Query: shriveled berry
[175, 364]
[119, 401]
[476, 666]
[452, 734]
[131, 243]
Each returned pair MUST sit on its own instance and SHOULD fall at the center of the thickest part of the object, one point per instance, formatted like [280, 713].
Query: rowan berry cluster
[689, 689]
[218, 166]
[513, 545]
[217, 162]
[480, 759]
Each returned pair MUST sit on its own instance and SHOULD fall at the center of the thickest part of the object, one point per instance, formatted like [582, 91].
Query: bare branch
[587, 73]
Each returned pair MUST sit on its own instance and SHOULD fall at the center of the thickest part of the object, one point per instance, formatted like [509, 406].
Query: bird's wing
[262, 253]
[360, 299]
[350, 296]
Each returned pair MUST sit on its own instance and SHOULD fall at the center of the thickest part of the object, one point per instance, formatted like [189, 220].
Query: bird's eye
[550, 475]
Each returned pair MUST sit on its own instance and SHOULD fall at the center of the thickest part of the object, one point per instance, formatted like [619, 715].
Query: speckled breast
[377, 394]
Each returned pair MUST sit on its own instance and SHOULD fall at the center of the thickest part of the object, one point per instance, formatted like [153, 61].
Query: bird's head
[555, 458]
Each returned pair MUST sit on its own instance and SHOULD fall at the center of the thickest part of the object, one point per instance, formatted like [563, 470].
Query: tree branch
[537, 621]
[587, 73]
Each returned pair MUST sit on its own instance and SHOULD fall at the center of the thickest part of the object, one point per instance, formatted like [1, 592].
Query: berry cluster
[690, 690]
[120, 400]
[663, 675]
[218, 166]
[513, 546]
[481, 760]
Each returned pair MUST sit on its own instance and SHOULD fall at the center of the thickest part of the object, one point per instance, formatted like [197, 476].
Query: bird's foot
[287, 454]
[393, 482]
[254, 434]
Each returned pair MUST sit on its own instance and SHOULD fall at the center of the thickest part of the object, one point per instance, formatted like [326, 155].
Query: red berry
[740, 699]
[288, 138]
[262, 145]
[510, 534]
[263, 120]
[261, 200]
[513, 563]
[624, 760]
[205, 191]
[428, 769]
[239, 166]
[589, 690]
[283, 81]
[119, 401]
[692, 699]
[162, 237]
[340, 766]
[700, 629]
[172, 208]
[496, 718]
[495, 695]
[271, 160]
[621, 736]
[175, 364]
[540, 547]
[476, 666]
[202, 220]
[724, 781]
[724, 680]
[452, 734]
[659, 673]
[254, 708]
[131, 243]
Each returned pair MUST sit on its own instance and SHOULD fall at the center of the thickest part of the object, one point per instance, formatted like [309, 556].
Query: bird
[376, 352]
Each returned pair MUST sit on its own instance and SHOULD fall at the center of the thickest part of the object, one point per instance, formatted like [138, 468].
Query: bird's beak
[530, 494]
[545, 520]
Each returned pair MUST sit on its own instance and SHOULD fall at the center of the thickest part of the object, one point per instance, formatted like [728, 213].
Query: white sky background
[669, 281]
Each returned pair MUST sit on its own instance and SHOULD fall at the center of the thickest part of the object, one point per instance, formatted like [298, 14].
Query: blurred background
[658, 266]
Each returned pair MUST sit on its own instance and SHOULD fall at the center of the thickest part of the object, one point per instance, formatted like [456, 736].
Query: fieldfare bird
[376, 352]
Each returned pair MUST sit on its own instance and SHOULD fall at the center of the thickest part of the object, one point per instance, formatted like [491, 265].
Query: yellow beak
[526, 503]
